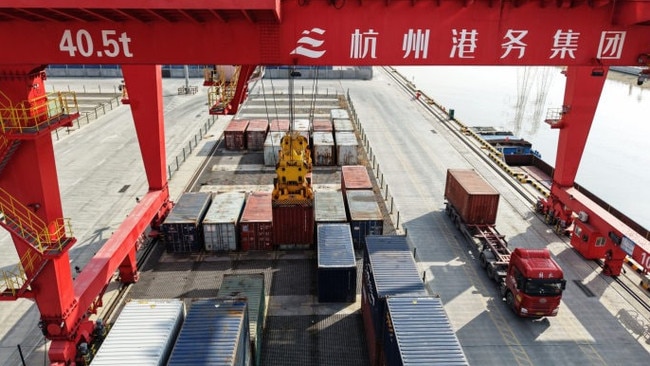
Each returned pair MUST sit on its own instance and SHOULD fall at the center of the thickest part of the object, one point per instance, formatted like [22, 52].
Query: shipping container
[343, 125]
[182, 228]
[143, 334]
[322, 125]
[346, 148]
[337, 267]
[324, 149]
[302, 126]
[256, 224]
[388, 270]
[250, 286]
[279, 125]
[256, 134]
[339, 113]
[272, 146]
[293, 225]
[420, 333]
[220, 222]
[365, 216]
[475, 199]
[329, 207]
[355, 177]
[235, 134]
[215, 332]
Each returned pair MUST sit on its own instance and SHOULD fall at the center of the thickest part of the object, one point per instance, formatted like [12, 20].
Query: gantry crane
[228, 86]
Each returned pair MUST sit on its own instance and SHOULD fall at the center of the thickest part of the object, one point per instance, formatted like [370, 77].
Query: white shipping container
[220, 222]
[339, 113]
[272, 147]
[346, 148]
[343, 125]
[329, 207]
[143, 334]
[324, 149]
[301, 125]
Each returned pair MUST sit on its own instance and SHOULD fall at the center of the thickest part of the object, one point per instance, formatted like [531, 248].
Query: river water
[616, 162]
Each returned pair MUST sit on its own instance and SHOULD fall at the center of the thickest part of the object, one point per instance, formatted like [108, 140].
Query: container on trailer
[182, 228]
[337, 267]
[365, 216]
[388, 270]
[256, 134]
[339, 113]
[475, 199]
[215, 332]
[293, 225]
[343, 125]
[220, 222]
[324, 149]
[235, 134]
[329, 207]
[256, 224]
[355, 177]
[419, 333]
[272, 146]
[279, 125]
[250, 286]
[301, 125]
[346, 148]
[322, 125]
[150, 325]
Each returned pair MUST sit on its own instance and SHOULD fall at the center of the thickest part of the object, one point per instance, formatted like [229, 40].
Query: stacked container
[256, 224]
[220, 222]
[250, 286]
[272, 146]
[346, 148]
[388, 270]
[337, 267]
[343, 125]
[324, 149]
[279, 125]
[365, 216]
[143, 334]
[355, 177]
[301, 126]
[235, 134]
[215, 332]
[182, 228]
[322, 125]
[256, 134]
[420, 333]
[329, 207]
[338, 113]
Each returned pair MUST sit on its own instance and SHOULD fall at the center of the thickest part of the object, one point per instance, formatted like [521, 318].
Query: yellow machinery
[293, 181]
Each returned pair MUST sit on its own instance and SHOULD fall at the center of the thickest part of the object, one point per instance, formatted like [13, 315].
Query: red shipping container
[293, 225]
[369, 328]
[235, 134]
[279, 125]
[256, 134]
[322, 125]
[475, 199]
[256, 224]
[355, 177]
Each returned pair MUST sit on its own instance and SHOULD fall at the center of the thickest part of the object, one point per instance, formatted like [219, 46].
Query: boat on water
[516, 151]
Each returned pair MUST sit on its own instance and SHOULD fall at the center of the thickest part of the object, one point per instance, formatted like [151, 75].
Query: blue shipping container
[417, 332]
[337, 267]
[182, 228]
[365, 216]
[215, 332]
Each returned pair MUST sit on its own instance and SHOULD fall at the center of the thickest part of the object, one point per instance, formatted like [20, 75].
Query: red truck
[529, 280]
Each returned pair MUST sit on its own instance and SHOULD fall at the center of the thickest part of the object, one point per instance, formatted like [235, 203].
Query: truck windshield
[543, 287]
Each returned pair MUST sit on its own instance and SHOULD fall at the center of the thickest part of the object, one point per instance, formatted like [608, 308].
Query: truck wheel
[482, 260]
[510, 299]
[490, 271]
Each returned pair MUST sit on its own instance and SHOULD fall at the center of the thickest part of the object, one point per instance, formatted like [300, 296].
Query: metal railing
[38, 113]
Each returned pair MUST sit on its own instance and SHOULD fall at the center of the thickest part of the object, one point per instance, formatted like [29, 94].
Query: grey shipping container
[324, 149]
[215, 332]
[346, 148]
[420, 333]
[256, 134]
[182, 228]
[220, 222]
[365, 216]
[388, 270]
[339, 113]
[272, 146]
[343, 125]
[475, 199]
[250, 286]
[150, 325]
[337, 268]
[302, 126]
[329, 207]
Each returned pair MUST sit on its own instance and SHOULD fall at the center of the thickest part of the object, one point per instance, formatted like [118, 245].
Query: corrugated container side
[256, 134]
[365, 216]
[279, 125]
[337, 268]
[346, 148]
[339, 113]
[475, 199]
[343, 125]
[322, 125]
[329, 207]
[182, 228]
[215, 332]
[293, 226]
[150, 325]
[420, 333]
[272, 146]
[355, 177]
[256, 224]
[374, 346]
[324, 149]
[250, 286]
[220, 222]
[235, 134]
[302, 126]
[388, 270]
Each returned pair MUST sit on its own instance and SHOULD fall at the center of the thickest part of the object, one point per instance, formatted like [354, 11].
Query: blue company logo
[308, 42]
